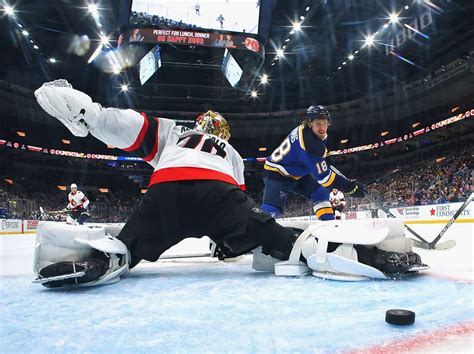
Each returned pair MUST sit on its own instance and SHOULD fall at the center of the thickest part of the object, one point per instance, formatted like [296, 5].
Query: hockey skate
[67, 255]
[73, 272]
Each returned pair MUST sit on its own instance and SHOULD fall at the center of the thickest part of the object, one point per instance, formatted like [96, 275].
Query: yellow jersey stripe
[301, 137]
[323, 211]
[330, 180]
[274, 169]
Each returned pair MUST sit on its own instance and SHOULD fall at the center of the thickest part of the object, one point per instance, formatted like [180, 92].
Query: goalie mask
[213, 123]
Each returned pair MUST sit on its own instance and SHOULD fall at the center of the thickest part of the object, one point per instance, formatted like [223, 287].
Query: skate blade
[59, 277]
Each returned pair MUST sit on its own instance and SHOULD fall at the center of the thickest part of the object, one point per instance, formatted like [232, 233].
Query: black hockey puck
[400, 317]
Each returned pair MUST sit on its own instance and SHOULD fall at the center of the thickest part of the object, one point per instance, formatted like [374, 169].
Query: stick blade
[439, 246]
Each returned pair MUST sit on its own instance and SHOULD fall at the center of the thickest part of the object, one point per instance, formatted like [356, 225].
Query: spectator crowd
[417, 181]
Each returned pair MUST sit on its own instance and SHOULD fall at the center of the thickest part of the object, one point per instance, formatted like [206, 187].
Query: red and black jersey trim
[173, 174]
[146, 144]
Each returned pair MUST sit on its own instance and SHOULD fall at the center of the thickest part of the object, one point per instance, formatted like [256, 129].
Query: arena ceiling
[315, 65]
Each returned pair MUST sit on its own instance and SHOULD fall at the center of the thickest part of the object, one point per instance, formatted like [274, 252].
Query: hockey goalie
[197, 188]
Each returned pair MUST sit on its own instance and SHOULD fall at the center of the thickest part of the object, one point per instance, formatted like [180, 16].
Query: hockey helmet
[213, 123]
[317, 112]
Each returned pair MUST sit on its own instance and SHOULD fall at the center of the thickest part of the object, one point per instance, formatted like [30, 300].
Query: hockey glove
[72, 107]
[356, 190]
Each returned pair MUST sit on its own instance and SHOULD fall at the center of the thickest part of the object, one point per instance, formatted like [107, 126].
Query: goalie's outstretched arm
[125, 129]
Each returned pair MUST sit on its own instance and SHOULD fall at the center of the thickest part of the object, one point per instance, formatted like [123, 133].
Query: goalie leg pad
[330, 253]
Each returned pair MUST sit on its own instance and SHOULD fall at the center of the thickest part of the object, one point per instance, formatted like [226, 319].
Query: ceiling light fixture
[393, 18]
[9, 10]
[104, 40]
[369, 40]
[297, 26]
[93, 10]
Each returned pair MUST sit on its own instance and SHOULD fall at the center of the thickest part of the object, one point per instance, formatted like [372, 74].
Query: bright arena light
[264, 79]
[104, 40]
[254, 93]
[93, 10]
[124, 88]
[52, 60]
[350, 57]
[280, 53]
[9, 10]
[393, 18]
[369, 40]
[116, 70]
[25, 33]
[297, 26]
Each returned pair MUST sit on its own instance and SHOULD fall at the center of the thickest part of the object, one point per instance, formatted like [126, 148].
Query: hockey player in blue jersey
[299, 165]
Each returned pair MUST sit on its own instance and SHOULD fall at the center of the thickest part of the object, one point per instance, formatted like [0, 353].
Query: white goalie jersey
[175, 152]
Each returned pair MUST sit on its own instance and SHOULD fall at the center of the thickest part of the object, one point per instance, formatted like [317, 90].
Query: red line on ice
[419, 341]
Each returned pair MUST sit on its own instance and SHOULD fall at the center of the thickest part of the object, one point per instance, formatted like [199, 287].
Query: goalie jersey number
[203, 143]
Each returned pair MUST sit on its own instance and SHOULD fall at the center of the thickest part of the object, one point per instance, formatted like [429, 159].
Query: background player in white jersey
[195, 190]
[77, 206]
[336, 197]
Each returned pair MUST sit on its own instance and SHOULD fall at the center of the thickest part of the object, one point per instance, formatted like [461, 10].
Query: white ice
[201, 305]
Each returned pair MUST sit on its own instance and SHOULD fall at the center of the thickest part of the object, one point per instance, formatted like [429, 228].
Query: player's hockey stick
[52, 211]
[433, 243]
[419, 244]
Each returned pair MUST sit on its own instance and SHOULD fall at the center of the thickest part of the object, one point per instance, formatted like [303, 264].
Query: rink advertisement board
[422, 214]
[11, 226]
[16, 226]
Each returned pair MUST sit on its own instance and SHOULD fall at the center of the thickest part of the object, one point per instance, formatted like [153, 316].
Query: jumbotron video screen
[226, 15]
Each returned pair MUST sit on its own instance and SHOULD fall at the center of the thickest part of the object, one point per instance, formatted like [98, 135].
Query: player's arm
[125, 129]
[238, 166]
[84, 201]
[314, 159]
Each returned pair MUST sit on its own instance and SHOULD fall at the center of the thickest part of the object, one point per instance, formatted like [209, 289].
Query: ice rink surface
[201, 305]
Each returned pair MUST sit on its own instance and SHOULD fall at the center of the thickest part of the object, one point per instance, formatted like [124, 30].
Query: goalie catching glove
[72, 107]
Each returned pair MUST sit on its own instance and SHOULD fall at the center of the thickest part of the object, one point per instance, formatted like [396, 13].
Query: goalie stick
[422, 243]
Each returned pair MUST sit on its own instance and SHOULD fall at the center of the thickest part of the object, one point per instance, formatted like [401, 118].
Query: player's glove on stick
[72, 107]
[356, 190]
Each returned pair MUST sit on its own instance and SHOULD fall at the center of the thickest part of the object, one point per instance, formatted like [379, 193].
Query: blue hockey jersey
[303, 153]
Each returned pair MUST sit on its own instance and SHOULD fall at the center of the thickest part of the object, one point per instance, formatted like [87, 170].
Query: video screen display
[231, 69]
[226, 15]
